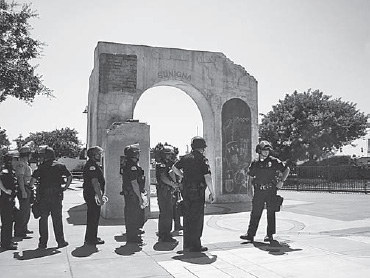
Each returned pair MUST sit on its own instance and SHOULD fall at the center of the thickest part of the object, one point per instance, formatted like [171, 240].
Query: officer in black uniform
[133, 186]
[7, 204]
[165, 189]
[93, 190]
[196, 176]
[264, 177]
[50, 174]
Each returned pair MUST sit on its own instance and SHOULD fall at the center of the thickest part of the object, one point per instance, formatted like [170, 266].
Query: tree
[310, 125]
[64, 141]
[4, 141]
[17, 48]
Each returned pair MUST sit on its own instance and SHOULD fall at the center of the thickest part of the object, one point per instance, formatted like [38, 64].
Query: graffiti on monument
[118, 72]
[236, 146]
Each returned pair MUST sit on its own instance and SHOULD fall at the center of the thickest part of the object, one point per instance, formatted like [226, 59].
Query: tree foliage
[64, 141]
[310, 125]
[4, 141]
[17, 48]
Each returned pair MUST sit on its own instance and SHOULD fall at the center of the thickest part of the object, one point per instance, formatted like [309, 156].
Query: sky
[286, 45]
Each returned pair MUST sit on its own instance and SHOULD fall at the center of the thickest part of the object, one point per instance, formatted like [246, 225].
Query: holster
[194, 191]
[278, 201]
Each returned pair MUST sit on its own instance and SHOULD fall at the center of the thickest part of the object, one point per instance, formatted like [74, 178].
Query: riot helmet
[48, 154]
[24, 151]
[132, 150]
[167, 149]
[263, 145]
[91, 152]
[198, 142]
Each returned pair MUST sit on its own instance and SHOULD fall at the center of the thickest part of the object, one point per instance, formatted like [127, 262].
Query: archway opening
[172, 115]
[174, 118]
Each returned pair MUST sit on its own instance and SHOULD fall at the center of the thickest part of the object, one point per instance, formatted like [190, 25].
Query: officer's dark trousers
[176, 215]
[51, 203]
[7, 217]
[165, 203]
[23, 216]
[193, 223]
[259, 199]
[92, 222]
[134, 216]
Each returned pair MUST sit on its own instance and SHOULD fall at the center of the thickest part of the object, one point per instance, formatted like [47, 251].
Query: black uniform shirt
[162, 169]
[194, 165]
[7, 177]
[50, 174]
[265, 172]
[92, 170]
[130, 172]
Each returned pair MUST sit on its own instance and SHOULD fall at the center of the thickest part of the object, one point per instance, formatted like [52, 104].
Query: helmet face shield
[132, 151]
[263, 146]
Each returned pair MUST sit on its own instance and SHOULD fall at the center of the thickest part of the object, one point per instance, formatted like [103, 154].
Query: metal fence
[329, 178]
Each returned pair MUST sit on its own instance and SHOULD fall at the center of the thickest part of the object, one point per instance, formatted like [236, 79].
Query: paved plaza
[318, 235]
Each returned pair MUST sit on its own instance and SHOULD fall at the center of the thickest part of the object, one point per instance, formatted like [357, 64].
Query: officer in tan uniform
[23, 173]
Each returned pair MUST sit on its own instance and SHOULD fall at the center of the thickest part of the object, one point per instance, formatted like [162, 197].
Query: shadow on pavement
[227, 208]
[84, 251]
[165, 246]
[128, 249]
[196, 258]
[77, 216]
[34, 254]
[275, 247]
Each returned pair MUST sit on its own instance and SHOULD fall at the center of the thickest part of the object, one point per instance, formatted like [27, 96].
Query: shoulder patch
[133, 168]
[92, 168]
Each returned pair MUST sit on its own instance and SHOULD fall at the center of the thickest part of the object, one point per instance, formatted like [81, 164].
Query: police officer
[7, 204]
[93, 190]
[133, 186]
[23, 173]
[165, 189]
[50, 174]
[264, 179]
[196, 176]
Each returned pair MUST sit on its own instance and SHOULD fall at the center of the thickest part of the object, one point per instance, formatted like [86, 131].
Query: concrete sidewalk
[318, 235]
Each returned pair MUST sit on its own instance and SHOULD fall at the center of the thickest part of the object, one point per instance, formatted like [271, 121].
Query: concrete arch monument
[224, 92]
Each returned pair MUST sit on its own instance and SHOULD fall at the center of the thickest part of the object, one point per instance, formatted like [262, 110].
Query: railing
[77, 174]
[329, 178]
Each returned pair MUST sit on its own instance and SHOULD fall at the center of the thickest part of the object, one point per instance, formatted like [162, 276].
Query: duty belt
[263, 186]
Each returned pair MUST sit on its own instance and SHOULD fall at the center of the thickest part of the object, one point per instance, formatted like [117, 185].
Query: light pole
[86, 111]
